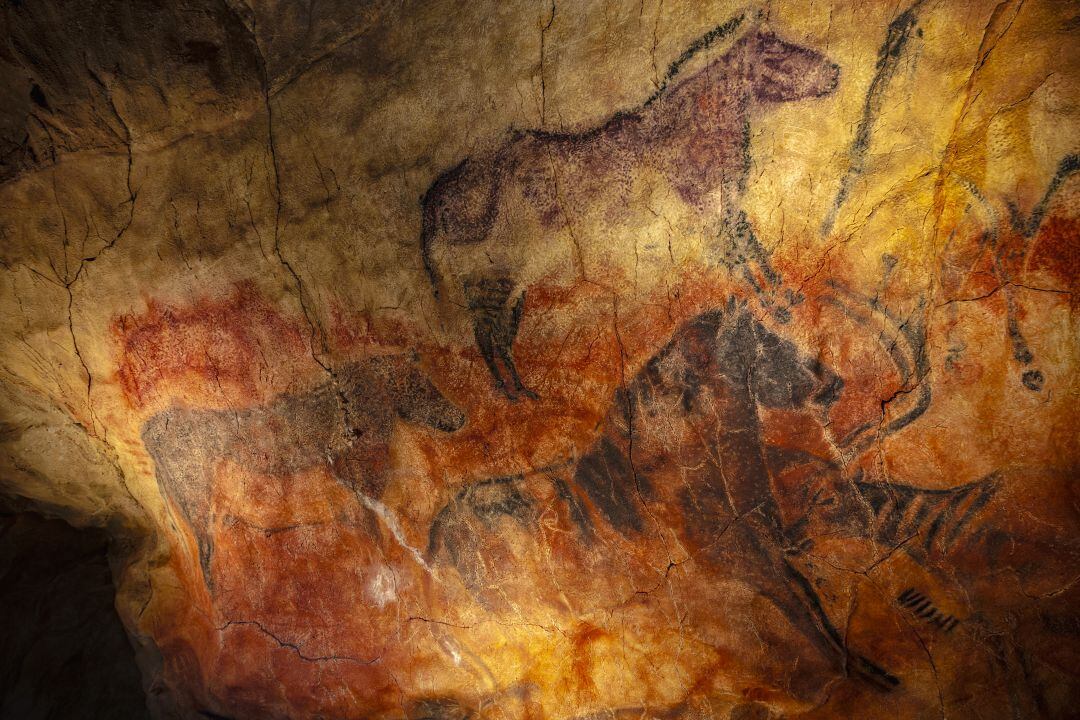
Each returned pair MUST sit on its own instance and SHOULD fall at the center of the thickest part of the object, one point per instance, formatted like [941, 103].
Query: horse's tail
[938, 517]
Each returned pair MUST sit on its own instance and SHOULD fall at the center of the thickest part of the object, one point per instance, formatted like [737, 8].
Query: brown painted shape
[344, 425]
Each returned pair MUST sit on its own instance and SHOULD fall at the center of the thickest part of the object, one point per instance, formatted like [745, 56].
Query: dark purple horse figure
[693, 133]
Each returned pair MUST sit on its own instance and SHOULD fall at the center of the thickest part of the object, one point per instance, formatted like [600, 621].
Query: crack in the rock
[433, 621]
[865, 572]
[566, 216]
[543, 79]
[316, 333]
[322, 177]
[1004, 286]
[67, 280]
[317, 336]
[128, 141]
[295, 648]
[328, 48]
[629, 409]
[986, 47]
[933, 665]
[656, 42]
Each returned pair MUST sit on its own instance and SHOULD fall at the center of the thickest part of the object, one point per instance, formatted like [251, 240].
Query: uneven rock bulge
[541, 360]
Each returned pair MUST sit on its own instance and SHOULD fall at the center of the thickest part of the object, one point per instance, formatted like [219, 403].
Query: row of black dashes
[921, 607]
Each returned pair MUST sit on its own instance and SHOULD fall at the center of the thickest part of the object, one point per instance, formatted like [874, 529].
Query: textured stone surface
[575, 360]
[64, 652]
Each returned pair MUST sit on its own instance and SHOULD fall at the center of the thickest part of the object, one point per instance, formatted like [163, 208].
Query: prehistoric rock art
[345, 424]
[889, 57]
[696, 404]
[694, 133]
[636, 359]
[1008, 255]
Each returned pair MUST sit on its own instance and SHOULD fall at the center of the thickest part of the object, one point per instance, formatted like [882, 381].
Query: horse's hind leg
[794, 595]
[821, 625]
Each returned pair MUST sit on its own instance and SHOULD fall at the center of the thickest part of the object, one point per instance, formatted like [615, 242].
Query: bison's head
[726, 350]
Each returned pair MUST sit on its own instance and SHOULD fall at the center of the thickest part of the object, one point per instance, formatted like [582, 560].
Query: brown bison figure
[345, 425]
[481, 218]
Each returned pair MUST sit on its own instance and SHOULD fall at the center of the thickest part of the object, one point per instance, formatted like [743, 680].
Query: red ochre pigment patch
[231, 346]
[1055, 251]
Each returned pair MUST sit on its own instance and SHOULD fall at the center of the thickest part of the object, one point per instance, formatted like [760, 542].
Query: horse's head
[780, 71]
[417, 400]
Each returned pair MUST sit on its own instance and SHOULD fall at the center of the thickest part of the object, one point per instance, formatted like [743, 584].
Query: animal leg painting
[495, 325]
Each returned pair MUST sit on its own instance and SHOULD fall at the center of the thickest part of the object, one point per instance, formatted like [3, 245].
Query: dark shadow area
[63, 651]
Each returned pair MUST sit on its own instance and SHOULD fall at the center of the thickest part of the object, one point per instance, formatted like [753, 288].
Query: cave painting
[1008, 245]
[683, 451]
[694, 133]
[552, 360]
[344, 425]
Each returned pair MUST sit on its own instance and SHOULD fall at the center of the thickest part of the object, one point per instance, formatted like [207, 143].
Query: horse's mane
[704, 42]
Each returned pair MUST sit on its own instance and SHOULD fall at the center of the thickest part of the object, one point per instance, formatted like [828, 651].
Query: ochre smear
[225, 345]
[304, 574]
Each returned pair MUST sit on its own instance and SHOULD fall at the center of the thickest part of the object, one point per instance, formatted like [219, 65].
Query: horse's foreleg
[484, 333]
[506, 348]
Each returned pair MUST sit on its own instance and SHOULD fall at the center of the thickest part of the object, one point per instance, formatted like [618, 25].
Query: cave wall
[551, 360]
[64, 652]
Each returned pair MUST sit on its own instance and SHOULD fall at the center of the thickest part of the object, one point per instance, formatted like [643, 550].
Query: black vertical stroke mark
[1068, 165]
[1032, 378]
[889, 55]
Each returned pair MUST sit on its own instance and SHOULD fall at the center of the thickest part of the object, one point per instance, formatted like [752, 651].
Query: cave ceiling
[562, 360]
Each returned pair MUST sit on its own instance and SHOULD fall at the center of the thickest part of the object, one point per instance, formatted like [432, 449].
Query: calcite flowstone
[555, 360]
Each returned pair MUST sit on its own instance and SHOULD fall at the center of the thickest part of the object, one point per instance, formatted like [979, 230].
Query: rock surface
[555, 360]
[64, 652]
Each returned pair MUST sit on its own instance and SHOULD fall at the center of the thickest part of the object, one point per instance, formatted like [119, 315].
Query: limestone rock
[555, 360]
